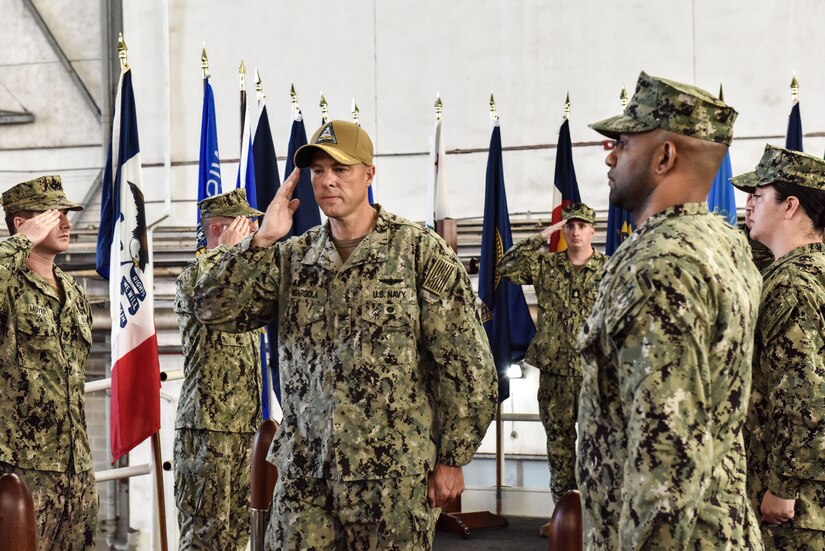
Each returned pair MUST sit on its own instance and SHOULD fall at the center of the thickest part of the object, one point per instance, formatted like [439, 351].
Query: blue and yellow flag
[720, 198]
[504, 310]
[619, 227]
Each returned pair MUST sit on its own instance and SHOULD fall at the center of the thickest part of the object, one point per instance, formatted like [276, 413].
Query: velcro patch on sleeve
[439, 276]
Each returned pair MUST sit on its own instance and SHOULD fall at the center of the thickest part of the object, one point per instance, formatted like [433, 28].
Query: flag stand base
[456, 522]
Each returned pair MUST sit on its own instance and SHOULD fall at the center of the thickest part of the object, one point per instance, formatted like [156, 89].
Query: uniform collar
[39, 282]
[804, 250]
[373, 249]
[686, 209]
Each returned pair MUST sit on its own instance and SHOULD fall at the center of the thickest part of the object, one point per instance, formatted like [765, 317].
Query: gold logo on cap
[327, 135]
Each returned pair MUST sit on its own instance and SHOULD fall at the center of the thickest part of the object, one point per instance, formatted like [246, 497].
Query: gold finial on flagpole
[721, 93]
[623, 97]
[259, 85]
[566, 114]
[242, 72]
[794, 88]
[493, 112]
[122, 51]
[324, 109]
[204, 63]
[439, 106]
[355, 113]
[293, 97]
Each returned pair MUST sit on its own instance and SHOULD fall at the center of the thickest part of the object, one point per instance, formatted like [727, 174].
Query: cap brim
[746, 182]
[58, 205]
[620, 124]
[303, 157]
[576, 217]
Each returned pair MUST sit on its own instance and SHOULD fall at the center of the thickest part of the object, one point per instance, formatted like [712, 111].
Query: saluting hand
[278, 216]
[547, 232]
[39, 226]
[235, 232]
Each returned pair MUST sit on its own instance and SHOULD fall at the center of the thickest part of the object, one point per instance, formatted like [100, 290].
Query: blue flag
[720, 197]
[793, 140]
[566, 185]
[267, 182]
[246, 178]
[209, 162]
[308, 214]
[267, 179]
[619, 227]
[505, 314]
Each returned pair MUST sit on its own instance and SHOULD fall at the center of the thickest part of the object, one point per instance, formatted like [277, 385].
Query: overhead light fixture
[15, 117]
[515, 372]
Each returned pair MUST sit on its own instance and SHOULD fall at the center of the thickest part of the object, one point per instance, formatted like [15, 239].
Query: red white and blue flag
[124, 258]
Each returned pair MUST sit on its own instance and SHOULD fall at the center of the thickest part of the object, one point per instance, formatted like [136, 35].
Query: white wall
[393, 57]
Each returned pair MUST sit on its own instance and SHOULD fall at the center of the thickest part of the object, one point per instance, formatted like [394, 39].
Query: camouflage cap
[673, 106]
[783, 165]
[346, 142]
[41, 194]
[579, 211]
[231, 204]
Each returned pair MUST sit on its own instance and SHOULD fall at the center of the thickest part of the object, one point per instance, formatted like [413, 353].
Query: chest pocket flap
[775, 315]
[628, 295]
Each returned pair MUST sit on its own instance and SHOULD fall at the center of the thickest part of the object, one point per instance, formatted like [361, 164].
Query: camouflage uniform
[760, 254]
[565, 296]
[218, 411]
[385, 371]
[785, 430]
[43, 351]
[666, 365]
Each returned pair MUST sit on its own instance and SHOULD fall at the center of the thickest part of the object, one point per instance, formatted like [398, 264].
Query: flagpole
[794, 89]
[204, 65]
[452, 518]
[324, 109]
[445, 227]
[242, 73]
[122, 51]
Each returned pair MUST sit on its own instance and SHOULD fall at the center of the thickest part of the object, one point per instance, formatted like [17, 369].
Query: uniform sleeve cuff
[783, 486]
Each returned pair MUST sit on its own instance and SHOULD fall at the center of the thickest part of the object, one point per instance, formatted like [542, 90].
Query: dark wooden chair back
[264, 473]
[566, 524]
[17, 526]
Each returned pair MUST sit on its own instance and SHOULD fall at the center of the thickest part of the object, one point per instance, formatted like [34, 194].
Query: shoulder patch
[439, 276]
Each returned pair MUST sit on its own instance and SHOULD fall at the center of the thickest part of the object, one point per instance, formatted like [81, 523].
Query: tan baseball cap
[344, 141]
[41, 194]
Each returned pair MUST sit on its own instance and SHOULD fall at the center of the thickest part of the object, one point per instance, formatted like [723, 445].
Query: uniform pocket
[388, 331]
[191, 477]
[36, 339]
